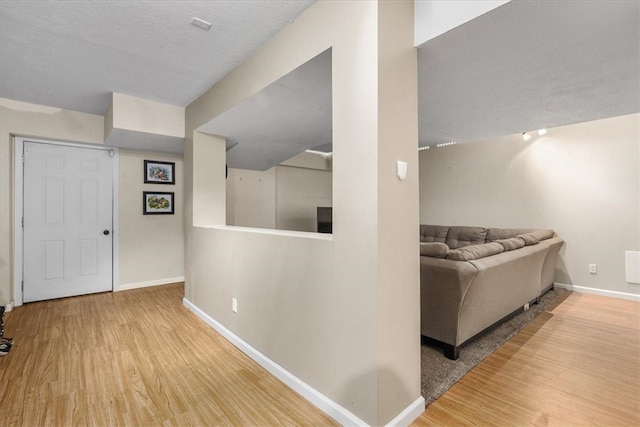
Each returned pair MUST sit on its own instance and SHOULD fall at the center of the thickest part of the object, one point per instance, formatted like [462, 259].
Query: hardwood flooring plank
[576, 365]
[135, 358]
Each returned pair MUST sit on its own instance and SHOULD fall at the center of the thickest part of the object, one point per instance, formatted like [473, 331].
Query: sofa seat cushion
[472, 252]
[460, 236]
[434, 249]
[511, 244]
[529, 239]
[433, 233]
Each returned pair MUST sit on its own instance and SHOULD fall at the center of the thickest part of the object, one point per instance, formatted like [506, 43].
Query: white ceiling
[527, 65]
[73, 54]
[524, 65]
[282, 120]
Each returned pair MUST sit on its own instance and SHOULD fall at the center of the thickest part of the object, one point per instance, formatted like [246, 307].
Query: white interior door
[68, 217]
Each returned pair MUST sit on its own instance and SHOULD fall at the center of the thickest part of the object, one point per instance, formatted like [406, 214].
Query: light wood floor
[577, 364]
[135, 358]
[140, 358]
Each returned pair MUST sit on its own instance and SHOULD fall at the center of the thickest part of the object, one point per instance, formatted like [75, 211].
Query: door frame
[18, 202]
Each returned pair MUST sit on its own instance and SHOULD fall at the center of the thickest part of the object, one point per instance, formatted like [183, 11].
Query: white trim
[18, 192]
[115, 223]
[410, 413]
[601, 292]
[8, 308]
[146, 284]
[321, 401]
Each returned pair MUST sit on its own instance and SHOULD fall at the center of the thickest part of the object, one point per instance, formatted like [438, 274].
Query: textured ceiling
[282, 120]
[524, 65]
[73, 54]
[527, 65]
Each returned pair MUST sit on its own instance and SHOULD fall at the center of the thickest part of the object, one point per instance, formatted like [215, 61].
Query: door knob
[105, 232]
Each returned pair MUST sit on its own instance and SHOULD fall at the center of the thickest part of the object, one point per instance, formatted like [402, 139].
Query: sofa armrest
[548, 275]
[443, 284]
[504, 283]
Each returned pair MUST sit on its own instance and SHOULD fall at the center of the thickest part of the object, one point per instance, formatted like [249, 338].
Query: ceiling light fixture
[526, 136]
[542, 132]
[200, 23]
[426, 147]
[444, 144]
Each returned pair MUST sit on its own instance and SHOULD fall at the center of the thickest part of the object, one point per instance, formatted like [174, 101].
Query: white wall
[151, 247]
[581, 180]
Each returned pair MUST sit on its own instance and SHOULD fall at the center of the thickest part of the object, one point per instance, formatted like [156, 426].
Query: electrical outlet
[234, 305]
[593, 269]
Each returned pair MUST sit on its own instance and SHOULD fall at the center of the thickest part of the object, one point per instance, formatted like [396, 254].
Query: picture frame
[158, 172]
[157, 203]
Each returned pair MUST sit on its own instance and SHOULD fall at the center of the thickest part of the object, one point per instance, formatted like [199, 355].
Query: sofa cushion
[434, 249]
[494, 234]
[471, 252]
[529, 239]
[542, 234]
[460, 236]
[511, 244]
[433, 233]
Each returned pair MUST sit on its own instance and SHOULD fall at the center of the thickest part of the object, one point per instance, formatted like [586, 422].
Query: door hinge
[22, 222]
[111, 153]
[23, 286]
[23, 158]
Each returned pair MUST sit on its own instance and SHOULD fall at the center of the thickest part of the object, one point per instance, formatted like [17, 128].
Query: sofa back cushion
[507, 233]
[434, 249]
[529, 239]
[542, 234]
[471, 252]
[433, 233]
[460, 236]
[511, 244]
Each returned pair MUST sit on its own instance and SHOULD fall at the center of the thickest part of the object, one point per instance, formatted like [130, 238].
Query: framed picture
[156, 172]
[157, 203]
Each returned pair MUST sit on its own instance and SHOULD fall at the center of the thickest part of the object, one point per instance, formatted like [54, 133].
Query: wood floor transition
[141, 358]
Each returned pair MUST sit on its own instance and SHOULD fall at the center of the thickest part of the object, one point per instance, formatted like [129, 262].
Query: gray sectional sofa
[471, 278]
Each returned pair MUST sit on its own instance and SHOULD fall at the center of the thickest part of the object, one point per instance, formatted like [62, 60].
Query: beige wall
[151, 247]
[23, 119]
[251, 198]
[581, 180]
[299, 191]
[340, 313]
[283, 198]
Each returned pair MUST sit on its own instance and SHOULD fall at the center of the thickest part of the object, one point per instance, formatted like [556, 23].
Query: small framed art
[157, 203]
[156, 172]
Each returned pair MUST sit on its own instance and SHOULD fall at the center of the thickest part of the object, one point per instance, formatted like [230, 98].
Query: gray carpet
[440, 373]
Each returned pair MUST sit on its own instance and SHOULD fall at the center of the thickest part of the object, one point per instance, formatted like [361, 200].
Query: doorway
[66, 226]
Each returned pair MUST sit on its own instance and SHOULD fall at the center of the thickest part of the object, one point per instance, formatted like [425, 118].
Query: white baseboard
[321, 401]
[410, 414]
[8, 308]
[157, 282]
[596, 291]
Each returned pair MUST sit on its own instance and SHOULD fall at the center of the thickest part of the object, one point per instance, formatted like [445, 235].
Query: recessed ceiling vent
[200, 23]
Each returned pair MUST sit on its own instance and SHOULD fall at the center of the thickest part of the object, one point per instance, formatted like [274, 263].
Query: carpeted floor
[440, 373]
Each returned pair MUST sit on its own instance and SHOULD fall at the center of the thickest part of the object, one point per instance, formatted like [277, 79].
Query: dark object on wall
[156, 172]
[325, 219]
[157, 203]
